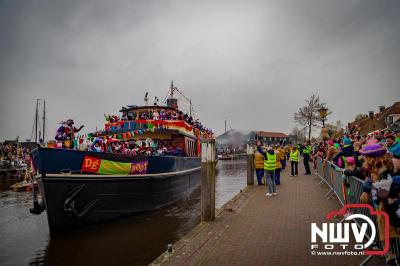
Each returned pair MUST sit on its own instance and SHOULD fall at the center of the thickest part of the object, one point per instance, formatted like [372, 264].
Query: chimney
[381, 108]
[371, 114]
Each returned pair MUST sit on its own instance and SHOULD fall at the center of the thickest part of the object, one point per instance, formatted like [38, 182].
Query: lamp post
[323, 112]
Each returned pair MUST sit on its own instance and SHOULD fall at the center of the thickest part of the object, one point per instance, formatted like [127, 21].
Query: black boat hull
[76, 200]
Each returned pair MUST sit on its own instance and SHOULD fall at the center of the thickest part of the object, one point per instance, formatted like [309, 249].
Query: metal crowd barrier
[348, 191]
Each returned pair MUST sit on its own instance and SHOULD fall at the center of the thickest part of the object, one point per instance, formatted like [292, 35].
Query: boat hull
[76, 200]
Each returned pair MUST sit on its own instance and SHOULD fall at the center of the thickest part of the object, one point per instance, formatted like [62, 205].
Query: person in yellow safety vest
[306, 156]
[294, 161]
[269, 170]
[259, 164]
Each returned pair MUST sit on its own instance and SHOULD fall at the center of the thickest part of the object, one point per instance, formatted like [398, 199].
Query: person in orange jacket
[259, 164]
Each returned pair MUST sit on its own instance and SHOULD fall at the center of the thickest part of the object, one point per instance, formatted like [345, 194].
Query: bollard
[208, 181]
[250, 165]
[169, 248]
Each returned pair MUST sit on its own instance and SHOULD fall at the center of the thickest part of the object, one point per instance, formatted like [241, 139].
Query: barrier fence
[348, 190]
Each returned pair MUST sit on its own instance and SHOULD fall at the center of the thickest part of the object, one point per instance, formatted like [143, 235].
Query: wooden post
[208, 181]
[250, 165]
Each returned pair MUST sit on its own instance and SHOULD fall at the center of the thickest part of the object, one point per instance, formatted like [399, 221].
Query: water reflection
[138, 240]
[230, 179]
[133, 241]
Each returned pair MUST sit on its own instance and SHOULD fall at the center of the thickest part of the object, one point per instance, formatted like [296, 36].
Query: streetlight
[323, 112]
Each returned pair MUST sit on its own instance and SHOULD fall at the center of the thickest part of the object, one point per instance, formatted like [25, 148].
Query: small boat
[225, 157]
[82, 187]
[23, 186]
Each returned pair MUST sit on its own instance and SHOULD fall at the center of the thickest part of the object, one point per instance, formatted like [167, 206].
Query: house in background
[233, 140]
[387, 117]
[272, 138]
[236, 140]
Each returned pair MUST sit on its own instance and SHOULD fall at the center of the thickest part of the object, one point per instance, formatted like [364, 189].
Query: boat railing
[143, 123]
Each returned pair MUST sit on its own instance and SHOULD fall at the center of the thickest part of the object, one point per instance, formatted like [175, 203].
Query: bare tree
[299, 134]
[360, 116]
[339, 124]
[308, 115]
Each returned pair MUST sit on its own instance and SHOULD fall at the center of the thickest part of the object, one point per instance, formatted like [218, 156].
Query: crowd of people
[349, 152]
[147, 147]
[66, 134]
[13, 156]
[270, 161]
[160, 115]
[374, 159]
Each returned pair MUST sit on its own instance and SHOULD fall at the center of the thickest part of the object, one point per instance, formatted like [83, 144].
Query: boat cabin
[154, 126]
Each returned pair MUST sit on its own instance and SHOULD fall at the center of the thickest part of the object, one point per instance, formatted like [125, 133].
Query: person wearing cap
[347, 151]
[379, 184]
[306, 157]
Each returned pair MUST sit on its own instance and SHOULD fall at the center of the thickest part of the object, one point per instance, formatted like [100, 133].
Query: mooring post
[208, 181]
[250, 165]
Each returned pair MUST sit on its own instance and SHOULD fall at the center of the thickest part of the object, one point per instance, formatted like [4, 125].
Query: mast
[225, 123]
[36, 120]
[172, 89]
[190, 103]
[44, 120]
[146, 99]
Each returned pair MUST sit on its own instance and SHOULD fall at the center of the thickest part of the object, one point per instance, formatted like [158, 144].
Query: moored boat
[160, 165]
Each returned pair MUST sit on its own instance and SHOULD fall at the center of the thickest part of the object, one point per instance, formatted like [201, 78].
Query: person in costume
[332, 151]
[347, 151]
[67, 131]
[377, 186]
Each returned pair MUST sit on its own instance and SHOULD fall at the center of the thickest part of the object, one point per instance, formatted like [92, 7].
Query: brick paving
[253, 229]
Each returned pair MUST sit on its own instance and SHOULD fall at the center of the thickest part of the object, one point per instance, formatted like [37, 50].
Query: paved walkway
[254, 229]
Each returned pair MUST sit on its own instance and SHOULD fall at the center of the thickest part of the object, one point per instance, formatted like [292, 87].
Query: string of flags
[124, 135]
[90, 137]
[145, 128]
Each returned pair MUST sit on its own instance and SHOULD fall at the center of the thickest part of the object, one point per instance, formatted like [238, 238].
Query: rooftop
[148, 107]
[268, 134]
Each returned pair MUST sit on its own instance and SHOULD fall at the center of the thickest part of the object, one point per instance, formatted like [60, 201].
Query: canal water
[138, 240]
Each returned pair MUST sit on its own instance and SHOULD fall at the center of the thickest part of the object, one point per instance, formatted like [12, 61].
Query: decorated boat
[85, 184]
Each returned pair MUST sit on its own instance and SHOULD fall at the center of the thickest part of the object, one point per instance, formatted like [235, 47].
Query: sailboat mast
[36, 120]
[44, 120]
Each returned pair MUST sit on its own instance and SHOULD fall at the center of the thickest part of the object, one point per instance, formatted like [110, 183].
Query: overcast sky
[252, 61]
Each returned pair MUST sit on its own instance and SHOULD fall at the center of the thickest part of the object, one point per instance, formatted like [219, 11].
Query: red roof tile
[266, 134]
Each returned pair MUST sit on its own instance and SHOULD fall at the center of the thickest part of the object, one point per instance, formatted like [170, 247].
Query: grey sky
[253, 61]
